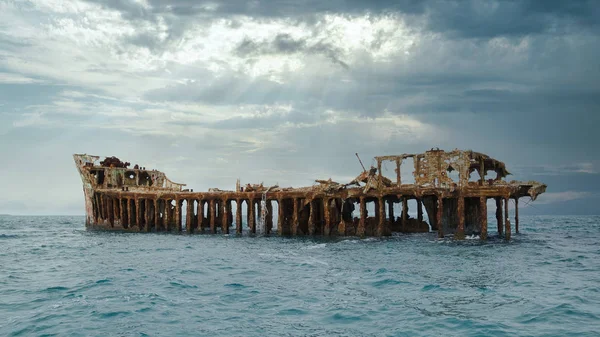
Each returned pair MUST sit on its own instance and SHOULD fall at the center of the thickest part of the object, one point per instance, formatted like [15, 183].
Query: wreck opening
[144, 179]
[98, 176]
[130, 178]
[407, 170]
[389, 171]
[183, 211]
[475, 176]
[453, 174]
[132, 213]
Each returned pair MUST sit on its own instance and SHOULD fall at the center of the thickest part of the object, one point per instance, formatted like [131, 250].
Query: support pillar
[238, 216]
[507, 220]
[517, 215]
[121, 213]
[101, 209]
[115, 211]
[129, 215]
[251, 216]
[269, 216]
[438, 218]
[212, 210]
[483, 217]
[404, 213]
[225, 217]
[200, 227]
[381, 217]
[360, 231]
[460, 230]
[379, 176]
[280, 218]
[156, 214]
[146, 203]
[167, 215]
[420, 210]
[311, 218]
[342, 225]
[398, 177]
[138, 215]
[391, 210]
[499, 217]
[107, 207]
[327, 215]
[178, 215]
[295, 217]
[189, 215]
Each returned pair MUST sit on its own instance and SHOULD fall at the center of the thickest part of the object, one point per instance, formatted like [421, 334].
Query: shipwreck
[445, 186]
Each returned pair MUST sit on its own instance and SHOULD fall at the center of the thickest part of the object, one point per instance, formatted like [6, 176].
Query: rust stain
[118, 197]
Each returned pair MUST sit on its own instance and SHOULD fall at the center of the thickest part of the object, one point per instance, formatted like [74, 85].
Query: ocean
[57, 279]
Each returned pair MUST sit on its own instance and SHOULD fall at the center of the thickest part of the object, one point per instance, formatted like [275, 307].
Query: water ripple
[58, 279]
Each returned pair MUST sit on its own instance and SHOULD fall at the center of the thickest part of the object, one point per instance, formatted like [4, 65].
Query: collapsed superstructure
[444, 186]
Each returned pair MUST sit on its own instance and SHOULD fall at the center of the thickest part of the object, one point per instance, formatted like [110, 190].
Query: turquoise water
[57, 279]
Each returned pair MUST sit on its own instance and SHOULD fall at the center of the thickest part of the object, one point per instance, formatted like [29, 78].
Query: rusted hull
[117, 198]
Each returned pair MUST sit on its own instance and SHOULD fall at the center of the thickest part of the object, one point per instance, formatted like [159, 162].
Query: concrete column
[189, 213]
[327, 215]
[398, 177]
[178, 215]
[115, 210]
[507, 220]
[121, 213]
[269, 217]
[391, 210]
[212, 210]
[404, 213]
[225, 217]
[146, 203]
[483, 217]
[156, 214]
[342, 224]
[200, 227]
[107, 207]
[280, 217]
[517, 215]
[238, 216]
[259, 214]
[360, 231]
[499, 217]
[420, 210]
[101, 206]
[381, 217]
[311, 218]
[138, 215]
[460, 230]
[295, 223]
[438, 218]
[251, 216]
[379, 176]
[167, 214]
[482, 173]
[129, 215]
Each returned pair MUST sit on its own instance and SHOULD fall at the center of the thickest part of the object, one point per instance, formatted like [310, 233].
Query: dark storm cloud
[479, 19]
[486, 19]
[285, 44]
[261, 8]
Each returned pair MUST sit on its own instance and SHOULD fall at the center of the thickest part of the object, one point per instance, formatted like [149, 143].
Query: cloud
[7, 78]
[297, 87]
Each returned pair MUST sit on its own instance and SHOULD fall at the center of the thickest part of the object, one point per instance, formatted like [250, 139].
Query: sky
[286, 92]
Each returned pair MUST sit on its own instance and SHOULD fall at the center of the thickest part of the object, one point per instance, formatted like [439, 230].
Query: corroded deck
[120, 198]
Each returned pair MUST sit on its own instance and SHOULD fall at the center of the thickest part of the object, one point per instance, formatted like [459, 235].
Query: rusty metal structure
[136, 199]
